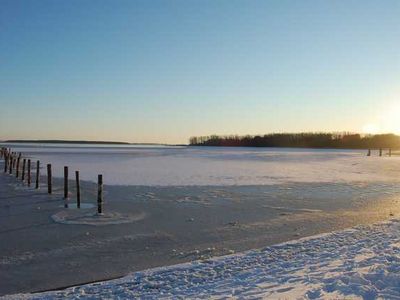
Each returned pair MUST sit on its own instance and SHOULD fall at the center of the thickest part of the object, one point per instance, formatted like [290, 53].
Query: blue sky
[162, 71]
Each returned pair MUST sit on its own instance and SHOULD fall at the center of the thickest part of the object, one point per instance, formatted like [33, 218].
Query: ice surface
[163, 166]
[361, 263]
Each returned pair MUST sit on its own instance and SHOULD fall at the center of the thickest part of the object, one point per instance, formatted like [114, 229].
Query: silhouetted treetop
[301, 140]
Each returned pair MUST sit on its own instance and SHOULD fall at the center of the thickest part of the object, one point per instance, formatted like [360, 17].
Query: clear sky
[162, 71]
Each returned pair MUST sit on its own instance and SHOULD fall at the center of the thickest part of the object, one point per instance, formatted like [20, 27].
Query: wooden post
[369, 152]
[390, 152]
[100, 194]
[17, 168]
[66, 187]
[49, 182]
[15, 160]
[11, 164]
[37, 174]
[29, 172]
[380, 151]
[78, 190]
[23, 169]
[6, 163]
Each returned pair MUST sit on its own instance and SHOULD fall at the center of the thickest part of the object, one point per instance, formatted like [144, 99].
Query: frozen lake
[185, 166]
[169, 205]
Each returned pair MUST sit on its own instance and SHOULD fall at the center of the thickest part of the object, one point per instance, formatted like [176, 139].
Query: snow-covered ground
[362, 262]
[178, 166]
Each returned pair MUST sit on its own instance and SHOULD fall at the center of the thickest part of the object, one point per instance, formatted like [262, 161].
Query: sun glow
[371, 129]
[391, 120]
[387, 122]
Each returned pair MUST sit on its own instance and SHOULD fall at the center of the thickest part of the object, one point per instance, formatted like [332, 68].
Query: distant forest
[302, 140]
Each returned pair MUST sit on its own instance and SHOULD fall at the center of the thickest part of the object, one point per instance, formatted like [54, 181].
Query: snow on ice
[362, 262]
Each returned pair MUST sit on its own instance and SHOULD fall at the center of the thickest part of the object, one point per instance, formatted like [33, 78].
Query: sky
[162, 71]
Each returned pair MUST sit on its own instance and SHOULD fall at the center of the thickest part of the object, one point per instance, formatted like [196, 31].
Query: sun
[390, 120]
[386, 120]
[371, 128]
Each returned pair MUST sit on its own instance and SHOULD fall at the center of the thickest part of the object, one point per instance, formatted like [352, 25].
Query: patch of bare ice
[292, 208]
[78, 217]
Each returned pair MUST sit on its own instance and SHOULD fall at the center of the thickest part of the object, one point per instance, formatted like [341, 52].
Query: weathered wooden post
[49, 182]
[17, 167]
[23, 169]
[380, 151]
[37, 174]
[15, 160]
[6, 163]
[390, 152]
[29, 172]
[369, 152]
[66, 187]
[11, 164]
[78, 190]
[100, 194]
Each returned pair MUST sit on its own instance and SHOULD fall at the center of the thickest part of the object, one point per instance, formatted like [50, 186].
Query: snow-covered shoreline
[361, 262]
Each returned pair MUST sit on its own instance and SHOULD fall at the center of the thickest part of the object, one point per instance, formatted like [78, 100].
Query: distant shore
[78, 142]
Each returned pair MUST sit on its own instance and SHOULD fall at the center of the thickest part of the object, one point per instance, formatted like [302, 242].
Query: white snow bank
[362, 262]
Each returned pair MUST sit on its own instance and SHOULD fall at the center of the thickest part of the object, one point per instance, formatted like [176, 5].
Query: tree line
[301, 140]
